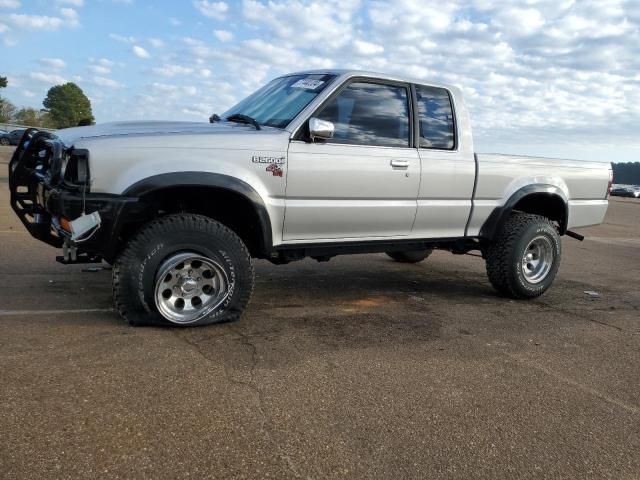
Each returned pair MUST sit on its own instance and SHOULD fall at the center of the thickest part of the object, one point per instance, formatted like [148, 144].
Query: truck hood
[71, 135]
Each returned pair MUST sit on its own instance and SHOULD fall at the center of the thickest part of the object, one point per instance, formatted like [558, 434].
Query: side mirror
[320, 129]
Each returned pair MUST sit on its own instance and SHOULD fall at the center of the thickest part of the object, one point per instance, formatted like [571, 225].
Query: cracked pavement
[356, 368]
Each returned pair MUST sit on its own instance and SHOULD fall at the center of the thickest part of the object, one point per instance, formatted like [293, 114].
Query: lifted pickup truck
[313, 164]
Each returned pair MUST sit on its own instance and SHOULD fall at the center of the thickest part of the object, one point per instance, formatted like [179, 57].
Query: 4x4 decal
[275, 169]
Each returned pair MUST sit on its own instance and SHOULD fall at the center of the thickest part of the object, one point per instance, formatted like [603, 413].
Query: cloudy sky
[544, 77]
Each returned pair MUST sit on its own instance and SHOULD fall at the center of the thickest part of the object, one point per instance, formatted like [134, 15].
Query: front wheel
[522, 261]
[4, 141]
[183, 270]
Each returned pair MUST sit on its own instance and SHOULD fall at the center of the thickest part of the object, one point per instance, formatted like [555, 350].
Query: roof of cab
[345, 73]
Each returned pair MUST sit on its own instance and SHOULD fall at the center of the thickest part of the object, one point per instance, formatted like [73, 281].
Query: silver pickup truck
[313, 164]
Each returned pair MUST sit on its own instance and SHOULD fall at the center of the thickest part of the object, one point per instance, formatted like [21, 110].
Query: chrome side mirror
[321, 129]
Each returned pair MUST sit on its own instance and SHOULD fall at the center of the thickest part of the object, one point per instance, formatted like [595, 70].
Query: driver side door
[362, 183]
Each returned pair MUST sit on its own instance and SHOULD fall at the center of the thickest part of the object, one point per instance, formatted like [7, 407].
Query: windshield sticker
[307, 84]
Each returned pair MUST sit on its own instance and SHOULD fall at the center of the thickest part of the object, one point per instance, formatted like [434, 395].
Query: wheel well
[546, 204]
[226, 206]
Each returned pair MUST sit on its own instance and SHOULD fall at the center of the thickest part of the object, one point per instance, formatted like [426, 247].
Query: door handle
[399, 163]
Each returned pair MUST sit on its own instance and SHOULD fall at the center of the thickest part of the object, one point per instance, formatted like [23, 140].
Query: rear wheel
[183, 270]
[412, 256]
[524, 258]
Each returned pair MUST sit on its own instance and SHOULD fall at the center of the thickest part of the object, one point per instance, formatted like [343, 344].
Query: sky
[558, 78]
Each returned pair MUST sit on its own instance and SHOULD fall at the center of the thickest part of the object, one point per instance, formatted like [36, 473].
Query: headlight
[75, 168]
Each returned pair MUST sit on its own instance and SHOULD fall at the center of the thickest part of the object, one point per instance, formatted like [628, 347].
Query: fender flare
[499, 215]
[209, 180]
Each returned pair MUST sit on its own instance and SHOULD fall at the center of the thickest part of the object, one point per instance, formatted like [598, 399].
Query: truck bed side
[583, 186]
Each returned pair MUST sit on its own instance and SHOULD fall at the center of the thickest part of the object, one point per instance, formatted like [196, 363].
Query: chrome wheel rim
[189, 287]
[537, 259]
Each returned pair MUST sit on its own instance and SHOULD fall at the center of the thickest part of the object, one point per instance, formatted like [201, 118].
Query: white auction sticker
[307, 84]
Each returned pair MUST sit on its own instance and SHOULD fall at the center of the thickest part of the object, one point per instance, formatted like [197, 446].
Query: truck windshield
[279, 101]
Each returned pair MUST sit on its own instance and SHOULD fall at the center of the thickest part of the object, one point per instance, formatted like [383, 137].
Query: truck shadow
[305, 310]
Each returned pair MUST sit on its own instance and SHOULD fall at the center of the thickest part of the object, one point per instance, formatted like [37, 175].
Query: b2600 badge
[259, 159]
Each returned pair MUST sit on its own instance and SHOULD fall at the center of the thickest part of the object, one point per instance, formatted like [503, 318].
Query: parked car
[632, 192]
[11, 138]
[315, 164]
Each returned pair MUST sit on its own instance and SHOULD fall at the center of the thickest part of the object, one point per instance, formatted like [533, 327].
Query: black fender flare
[210, 180]
[499, 215]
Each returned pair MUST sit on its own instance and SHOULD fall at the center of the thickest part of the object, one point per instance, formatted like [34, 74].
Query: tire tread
[157, 228]
[499, 253]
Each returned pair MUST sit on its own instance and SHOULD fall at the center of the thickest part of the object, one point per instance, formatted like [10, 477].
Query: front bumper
[41, 200]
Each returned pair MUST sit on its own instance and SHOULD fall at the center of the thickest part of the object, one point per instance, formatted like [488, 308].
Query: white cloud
[50, 78]
[140, 52]
[106, 82]
[28, 93]
[174, 22]
[223, 35]
[172, 70]
[35, 22]
[75, 3]
[216, 10]
[3, 28]
[363, 47]
[101, 66]
[9, 4]
[55, 63]
[99, 69]
[156, 42]
[122, 38]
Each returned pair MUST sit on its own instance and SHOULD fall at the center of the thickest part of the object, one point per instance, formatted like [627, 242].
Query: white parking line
[8, 313]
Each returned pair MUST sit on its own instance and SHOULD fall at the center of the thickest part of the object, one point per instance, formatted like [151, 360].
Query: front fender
[212, 180]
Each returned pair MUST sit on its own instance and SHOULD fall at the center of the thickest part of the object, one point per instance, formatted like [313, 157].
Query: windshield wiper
[242, 118]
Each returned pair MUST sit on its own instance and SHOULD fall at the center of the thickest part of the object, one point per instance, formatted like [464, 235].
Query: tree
[31, 117]
[7, 110]
[626, 173]
[67, 105]
[6, 107]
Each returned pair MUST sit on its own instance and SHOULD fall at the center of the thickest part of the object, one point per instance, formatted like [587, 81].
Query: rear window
[437, 128]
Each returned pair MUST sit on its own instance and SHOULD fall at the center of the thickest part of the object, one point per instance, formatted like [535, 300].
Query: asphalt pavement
[355, 368]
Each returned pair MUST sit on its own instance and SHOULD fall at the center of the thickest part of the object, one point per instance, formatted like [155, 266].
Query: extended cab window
[369, 114]
[436, 118]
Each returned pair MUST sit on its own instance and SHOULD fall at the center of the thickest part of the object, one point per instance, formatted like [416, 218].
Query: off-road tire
[135, 269]
[504, 255]
[412, 256]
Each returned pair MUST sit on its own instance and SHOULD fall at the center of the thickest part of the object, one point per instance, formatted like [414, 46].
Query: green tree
[6, 107]
[29, 117]
[67, 105]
